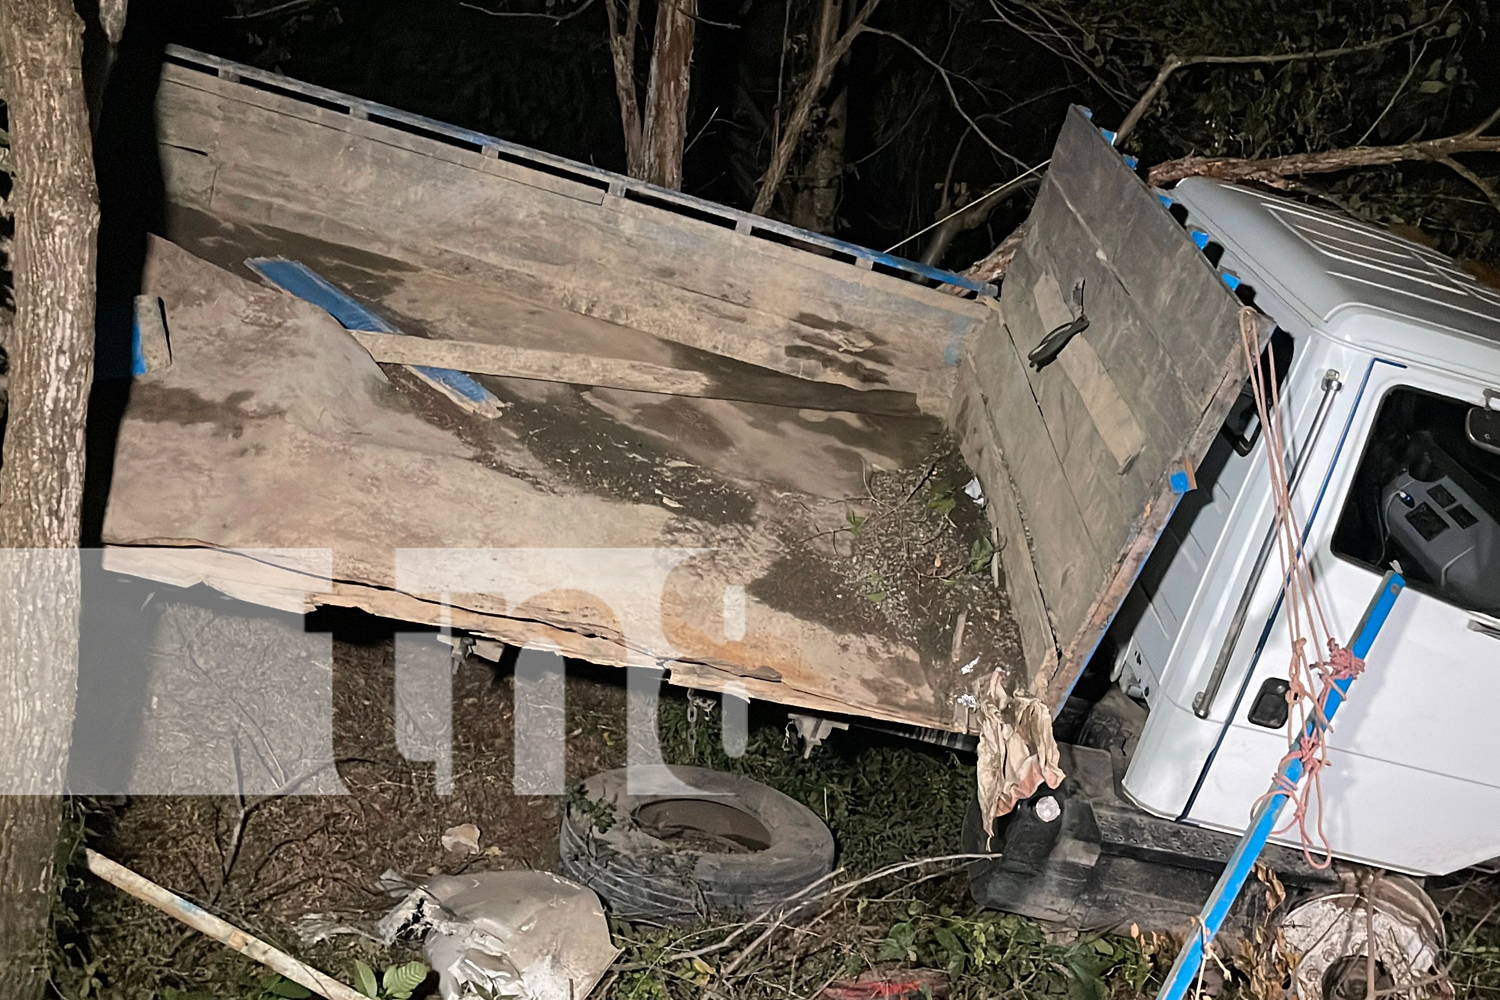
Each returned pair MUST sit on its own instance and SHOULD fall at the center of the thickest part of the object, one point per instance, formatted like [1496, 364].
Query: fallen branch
[993, 265]
[1485, 187]
[1272, 171]
[221, 931]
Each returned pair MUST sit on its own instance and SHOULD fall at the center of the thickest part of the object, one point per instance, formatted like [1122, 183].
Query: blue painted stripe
[117, 338]
[310, 286]
[1240, 863]
[456, 381]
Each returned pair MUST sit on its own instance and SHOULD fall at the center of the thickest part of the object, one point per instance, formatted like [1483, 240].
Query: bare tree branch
[664, 129]
[1487, 188]
[1396, 94]
[254, 14]
[830, 53]
[1071, 55]
[622, 53]
[992, 266]
[1173, 63]
[112, 19]
[952, 95]
[971, 216]
[539, 15]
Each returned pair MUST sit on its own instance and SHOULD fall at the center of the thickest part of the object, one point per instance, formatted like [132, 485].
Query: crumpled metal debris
[522, 934]
[1017, 752]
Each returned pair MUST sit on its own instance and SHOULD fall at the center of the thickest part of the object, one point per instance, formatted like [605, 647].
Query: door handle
[1046, 352]
[1485, 625]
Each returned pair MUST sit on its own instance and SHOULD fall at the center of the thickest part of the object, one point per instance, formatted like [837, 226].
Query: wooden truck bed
[690, 438]
[799, 453]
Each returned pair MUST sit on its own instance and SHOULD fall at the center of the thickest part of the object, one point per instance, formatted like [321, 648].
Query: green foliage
[398, 982]
[885, 799]
[981, 554]
[1005, 955]
[940, 497]
[273, 987]
[599, 811]
[364, 979]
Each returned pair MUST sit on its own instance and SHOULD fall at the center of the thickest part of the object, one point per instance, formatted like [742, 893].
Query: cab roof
[1349, 280]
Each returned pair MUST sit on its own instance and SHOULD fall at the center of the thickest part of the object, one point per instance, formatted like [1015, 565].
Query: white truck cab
[1383, 351]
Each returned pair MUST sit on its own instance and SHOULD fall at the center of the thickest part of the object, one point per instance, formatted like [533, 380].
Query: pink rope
[1309, 682]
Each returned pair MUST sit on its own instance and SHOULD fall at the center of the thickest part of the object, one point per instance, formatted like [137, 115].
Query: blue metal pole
[1185, 969]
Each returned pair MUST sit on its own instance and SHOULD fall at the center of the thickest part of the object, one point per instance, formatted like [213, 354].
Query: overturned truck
[644, 371]
[460, 383]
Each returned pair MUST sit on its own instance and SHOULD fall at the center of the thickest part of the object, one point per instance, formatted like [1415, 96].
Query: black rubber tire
[640, 877]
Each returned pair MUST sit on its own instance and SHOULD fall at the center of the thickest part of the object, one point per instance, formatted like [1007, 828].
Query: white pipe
[220, 930]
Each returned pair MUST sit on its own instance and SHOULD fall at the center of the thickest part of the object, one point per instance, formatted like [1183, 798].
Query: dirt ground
[302, 852]
[265, 860]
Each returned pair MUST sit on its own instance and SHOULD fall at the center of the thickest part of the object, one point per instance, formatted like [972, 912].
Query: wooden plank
[1137, 238]
[1091, 441]
[198, 63]
[1129, 353]
[522, 362]
[1079, 647]
[1108, 498]
[1111, 415]
[1069, 570]
[175, 100]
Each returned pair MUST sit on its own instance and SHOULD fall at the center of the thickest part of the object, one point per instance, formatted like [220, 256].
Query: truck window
[1426, 500]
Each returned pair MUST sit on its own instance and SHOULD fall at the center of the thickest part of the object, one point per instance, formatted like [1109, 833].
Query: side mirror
[1482, 425]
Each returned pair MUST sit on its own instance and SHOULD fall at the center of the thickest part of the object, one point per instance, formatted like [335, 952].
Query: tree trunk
[830, 54]
[622, 57]
[815, 205]
[41, 481]
[665, 130]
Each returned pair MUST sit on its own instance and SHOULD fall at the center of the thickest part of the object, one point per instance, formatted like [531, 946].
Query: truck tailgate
[1091, 451]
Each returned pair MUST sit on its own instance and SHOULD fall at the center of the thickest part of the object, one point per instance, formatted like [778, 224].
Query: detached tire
[736, 849]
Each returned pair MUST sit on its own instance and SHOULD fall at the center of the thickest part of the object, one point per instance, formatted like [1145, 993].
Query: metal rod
[1254, 841]
[1203, 704]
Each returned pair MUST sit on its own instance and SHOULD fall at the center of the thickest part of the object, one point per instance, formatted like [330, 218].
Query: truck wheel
[733, 847]
[1326, 941]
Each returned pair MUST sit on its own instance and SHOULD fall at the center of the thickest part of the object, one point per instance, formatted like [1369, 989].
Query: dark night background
[538, 72]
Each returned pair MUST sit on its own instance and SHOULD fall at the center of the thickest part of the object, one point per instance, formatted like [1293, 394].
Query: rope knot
[1344, 663]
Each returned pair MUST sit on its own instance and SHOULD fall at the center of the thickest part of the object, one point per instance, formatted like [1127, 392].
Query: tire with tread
[641, 877]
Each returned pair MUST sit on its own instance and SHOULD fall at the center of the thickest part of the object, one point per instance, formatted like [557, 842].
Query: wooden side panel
[1091, 441]
[972, 423]
[686, 280]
